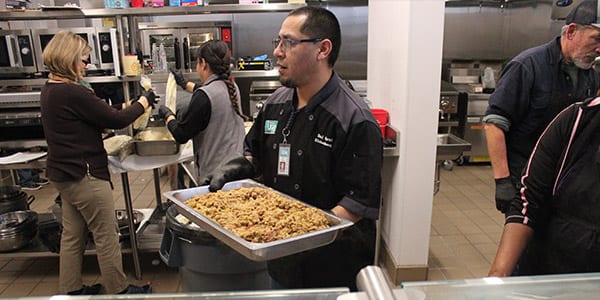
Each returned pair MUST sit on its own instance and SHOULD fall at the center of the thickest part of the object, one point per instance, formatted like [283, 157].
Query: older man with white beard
[533, 88]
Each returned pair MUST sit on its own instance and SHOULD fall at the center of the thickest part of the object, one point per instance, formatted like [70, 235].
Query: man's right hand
[179, 78]
[235, 169]
[505, 192]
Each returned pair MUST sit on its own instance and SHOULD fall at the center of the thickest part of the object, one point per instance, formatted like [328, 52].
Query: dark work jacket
[531, 91]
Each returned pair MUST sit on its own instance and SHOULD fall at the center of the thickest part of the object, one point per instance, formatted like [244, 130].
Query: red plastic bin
[383, 117]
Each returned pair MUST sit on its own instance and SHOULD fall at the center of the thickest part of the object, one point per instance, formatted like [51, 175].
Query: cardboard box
[476, 88]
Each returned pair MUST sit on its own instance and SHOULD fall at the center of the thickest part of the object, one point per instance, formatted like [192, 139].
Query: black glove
[235, 169]
[505, 192]
[179, 78]
[149, 94]
[164, 112]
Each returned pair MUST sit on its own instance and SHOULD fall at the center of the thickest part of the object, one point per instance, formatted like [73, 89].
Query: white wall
[404, 71]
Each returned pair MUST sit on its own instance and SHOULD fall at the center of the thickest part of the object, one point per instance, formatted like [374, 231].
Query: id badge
[283, 166]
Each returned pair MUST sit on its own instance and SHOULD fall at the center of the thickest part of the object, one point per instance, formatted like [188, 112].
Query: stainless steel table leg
[132, 233]
[189, 173]
[14, 177]
[157, 189]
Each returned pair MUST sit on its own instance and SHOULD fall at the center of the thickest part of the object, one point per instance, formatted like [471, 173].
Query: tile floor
[464, 234]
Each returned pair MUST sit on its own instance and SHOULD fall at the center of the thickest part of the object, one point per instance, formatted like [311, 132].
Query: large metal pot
[8, 192]
[17, 229]
[12, 198]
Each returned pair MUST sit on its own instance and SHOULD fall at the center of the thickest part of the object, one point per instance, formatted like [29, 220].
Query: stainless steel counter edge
[6, 15]
[193, 76]
[90, 79]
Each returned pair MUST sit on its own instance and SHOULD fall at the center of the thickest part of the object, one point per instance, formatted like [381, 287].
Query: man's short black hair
[321, 23]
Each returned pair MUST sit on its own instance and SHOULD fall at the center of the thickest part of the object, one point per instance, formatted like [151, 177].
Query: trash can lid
[183, 227]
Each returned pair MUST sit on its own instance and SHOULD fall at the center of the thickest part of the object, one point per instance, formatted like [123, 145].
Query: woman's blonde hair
[63, 54]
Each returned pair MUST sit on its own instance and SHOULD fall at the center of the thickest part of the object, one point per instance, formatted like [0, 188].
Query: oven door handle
[94, 59]
[186, 54]
[13, 51]
[114, 43]
[177, 54]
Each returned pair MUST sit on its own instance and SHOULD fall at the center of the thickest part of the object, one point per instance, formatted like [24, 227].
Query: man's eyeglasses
[286, 43]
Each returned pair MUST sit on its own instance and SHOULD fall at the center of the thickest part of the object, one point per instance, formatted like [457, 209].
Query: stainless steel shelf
[6, 15]
[90, 79]
[392, 134]
[193, 76]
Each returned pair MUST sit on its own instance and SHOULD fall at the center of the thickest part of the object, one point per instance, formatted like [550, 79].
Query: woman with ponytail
[213, 118]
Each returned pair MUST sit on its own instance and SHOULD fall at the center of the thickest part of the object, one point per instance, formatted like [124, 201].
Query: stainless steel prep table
[130, 163]
[143, 163]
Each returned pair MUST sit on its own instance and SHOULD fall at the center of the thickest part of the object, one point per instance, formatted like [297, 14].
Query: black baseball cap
[586, 13]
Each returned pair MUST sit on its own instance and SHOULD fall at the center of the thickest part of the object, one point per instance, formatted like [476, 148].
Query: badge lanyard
[283, 166]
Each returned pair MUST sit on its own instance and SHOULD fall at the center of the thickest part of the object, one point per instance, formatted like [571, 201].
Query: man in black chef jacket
[317, 141]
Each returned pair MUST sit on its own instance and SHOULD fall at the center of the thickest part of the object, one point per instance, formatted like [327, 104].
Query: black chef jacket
[335, 159]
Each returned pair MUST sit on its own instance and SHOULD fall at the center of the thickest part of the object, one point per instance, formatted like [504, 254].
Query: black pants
[333, 265]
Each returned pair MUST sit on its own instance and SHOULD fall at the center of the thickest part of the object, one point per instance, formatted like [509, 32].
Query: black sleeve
[512, 94]
[530, 205]
[193, 120]
[359, 170]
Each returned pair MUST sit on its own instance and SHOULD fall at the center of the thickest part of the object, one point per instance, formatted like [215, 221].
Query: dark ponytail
[216, 54]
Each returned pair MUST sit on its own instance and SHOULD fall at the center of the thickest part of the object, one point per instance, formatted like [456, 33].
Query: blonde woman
[73, 118]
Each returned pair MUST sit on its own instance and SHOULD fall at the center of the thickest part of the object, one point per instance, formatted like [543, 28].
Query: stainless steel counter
[566, 286]
[563, 286]
[300, 294]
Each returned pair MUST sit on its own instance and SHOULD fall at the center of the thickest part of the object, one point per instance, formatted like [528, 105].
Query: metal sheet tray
[256, 251]
[155, 147]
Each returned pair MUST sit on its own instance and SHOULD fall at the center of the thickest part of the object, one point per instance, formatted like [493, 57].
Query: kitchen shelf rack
[39, 14]
[90, 79]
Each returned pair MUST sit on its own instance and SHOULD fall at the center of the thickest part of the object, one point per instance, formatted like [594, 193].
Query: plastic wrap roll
[171, 93]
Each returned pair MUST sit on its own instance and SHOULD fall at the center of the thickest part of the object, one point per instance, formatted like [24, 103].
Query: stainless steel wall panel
[253, 33]
[529, 26]
[472, 33]
[352, 61]
[497, 30]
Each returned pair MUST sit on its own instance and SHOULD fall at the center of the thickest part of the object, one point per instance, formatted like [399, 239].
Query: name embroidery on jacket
[324, 140]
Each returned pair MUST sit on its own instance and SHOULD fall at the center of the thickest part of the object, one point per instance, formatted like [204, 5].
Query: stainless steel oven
[16, 53]
[182, 40]
[104, 56]
[260, 90]
[20, 120]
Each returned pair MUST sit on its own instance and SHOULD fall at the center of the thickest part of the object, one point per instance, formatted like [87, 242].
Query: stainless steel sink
[450, 147]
